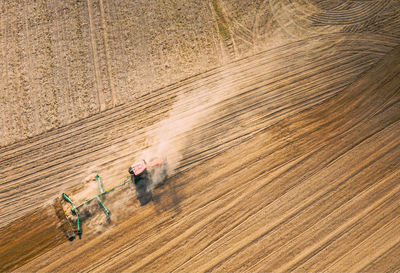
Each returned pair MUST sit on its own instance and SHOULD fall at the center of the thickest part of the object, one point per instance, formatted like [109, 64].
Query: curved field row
[264, 24]
[360, 12]
[252, 93]
[315, 191]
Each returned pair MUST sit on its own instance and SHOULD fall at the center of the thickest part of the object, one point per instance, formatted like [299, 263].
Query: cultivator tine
[102, 192]
[78, 226]
[106, 211]
[66, 198]
[99, 184]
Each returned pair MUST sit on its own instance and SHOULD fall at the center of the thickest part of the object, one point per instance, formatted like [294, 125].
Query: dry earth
[280, 120]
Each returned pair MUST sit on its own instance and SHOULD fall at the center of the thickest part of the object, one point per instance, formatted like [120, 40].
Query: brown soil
[285, 149]
[26, 238]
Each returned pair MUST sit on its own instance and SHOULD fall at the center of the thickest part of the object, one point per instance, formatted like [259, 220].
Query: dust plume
[169, 137]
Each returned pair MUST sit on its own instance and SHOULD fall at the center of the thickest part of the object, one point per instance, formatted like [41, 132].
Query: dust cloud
[169, 137]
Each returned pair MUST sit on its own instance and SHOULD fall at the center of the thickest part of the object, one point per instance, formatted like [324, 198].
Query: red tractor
[147, 176]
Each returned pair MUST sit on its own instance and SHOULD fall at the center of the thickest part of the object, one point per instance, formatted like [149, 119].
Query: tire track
[63, 84]
[4, 84]
[31, 96]
[114, 98]
[361, 12]
[95, 58]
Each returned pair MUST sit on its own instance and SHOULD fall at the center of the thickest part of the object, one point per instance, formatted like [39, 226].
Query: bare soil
[280, 120]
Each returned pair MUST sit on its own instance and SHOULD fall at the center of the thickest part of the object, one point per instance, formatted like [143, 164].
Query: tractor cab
[138, 168]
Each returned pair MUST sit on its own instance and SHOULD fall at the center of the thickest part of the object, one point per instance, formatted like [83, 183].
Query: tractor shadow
[165, 197]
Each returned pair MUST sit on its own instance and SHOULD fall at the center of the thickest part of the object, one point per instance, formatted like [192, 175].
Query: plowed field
[280, 122]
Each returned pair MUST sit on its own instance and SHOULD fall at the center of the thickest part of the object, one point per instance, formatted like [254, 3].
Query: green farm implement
[69, 227]
[144, 177]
